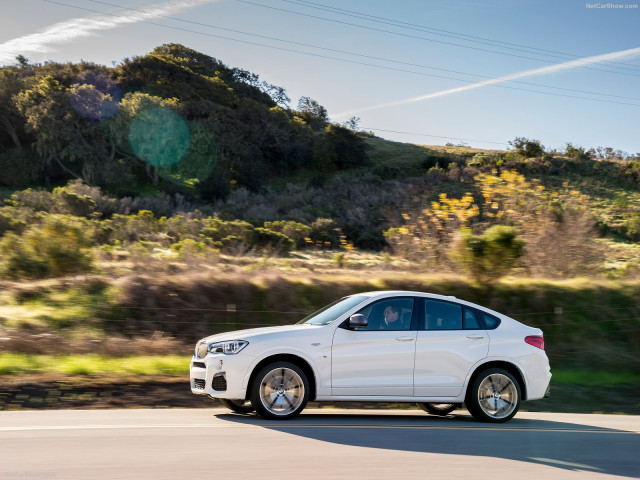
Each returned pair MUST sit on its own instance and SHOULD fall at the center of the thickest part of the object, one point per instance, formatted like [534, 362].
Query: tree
[579, 153]
[146, 128]
[352, 124]
[526, 147]
[62, 135]
[350, 149]
[312, 112]
[10, 119]
[23, 61]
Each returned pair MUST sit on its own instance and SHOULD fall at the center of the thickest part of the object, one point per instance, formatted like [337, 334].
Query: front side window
[334, 310]
[441, 315]
[388, 314]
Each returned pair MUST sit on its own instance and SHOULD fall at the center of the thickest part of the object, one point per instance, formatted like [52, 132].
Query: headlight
[228, 348]
[201, 350]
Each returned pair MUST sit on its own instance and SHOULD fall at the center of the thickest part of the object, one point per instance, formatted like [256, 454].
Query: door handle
[404, 339]
[475, 337]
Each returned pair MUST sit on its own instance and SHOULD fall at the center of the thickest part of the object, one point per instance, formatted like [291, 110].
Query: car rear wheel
[280, 391]
[440, 409]
[495, 396]
[238, 406]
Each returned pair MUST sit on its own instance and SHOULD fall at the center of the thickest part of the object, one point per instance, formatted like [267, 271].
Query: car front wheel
[439, 409]
[495, 396]
[238, 406]
[280, 391]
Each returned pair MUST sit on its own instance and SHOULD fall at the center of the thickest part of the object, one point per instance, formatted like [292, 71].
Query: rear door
[449, 342]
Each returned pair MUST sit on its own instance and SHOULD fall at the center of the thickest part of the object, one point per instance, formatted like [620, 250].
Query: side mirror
[357, 320]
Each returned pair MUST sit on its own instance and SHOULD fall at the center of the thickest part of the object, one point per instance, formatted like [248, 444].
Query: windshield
[329, 313]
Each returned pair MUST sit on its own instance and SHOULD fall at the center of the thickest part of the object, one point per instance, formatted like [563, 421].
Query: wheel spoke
[501, 404]
[286, 397]
[493, 386]
[504, 388]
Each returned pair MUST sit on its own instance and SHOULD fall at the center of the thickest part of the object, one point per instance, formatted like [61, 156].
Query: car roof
[407, 293]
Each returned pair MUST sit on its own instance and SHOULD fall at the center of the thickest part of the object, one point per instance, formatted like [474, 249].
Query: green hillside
[171, 196]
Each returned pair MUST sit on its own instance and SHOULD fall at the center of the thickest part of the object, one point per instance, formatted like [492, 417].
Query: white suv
[385, 346]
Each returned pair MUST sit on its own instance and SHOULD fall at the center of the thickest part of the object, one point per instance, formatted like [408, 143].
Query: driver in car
[392, 318]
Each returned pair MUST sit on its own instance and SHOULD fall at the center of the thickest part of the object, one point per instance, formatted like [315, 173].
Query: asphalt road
[323, 444]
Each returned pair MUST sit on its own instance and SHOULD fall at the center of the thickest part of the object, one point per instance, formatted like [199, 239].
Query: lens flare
[159, 136]
[95, 95]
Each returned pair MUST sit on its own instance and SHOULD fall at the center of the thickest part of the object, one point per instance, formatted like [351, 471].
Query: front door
[376, 360]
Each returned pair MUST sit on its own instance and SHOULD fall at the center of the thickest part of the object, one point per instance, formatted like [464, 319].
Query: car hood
[257, 332]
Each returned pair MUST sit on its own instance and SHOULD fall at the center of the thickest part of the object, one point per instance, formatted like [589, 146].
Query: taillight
[536, 341]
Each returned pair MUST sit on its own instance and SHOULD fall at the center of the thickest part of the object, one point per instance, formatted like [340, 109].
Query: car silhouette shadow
[569, 446]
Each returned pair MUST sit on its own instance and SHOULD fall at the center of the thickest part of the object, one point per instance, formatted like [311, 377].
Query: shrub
[387, 172]
[325, 232]
[298, 232]
[8, 223]
[339, 259]
[57, 247]
[632, 226]
[261, 238]
[631, 171]
[441, 160]
[217, 229]
[232, 244]
[74, 204]
[189, 249]
[483, 160]
[131, 228]
[37, 200]
[490, 255]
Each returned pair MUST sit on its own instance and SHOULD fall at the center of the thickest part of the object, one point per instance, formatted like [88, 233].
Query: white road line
[564, 464]
[296, 426]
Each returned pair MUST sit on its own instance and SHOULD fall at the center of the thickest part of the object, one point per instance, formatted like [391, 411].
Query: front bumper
[219, 375]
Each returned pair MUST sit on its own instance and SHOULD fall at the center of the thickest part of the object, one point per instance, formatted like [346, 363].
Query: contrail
[579, 62]
[64, 32]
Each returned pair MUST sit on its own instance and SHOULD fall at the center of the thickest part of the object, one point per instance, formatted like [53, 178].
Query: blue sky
[384, 98]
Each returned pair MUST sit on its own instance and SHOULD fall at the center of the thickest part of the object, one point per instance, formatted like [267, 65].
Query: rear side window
[442, 315]
[490, 322]
[470, 320]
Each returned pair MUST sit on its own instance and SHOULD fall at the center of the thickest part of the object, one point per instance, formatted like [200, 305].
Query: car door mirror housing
[357, 320]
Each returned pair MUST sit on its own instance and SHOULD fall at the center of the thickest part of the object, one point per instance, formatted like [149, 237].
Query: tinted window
[490, 322]
[470, 320]
[389, 314]
[442, 315]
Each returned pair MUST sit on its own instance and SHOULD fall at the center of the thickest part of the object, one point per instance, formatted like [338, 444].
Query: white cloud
[75, 28]
[579, 62]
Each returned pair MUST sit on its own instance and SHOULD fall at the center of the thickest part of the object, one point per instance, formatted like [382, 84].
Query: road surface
[323, 444]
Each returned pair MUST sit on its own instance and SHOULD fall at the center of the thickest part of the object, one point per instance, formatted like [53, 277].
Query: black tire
[237, 406]
[494, 396]
[439, 409]
[279, 391]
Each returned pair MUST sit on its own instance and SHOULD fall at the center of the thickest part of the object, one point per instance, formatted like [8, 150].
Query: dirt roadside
[34, 393]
